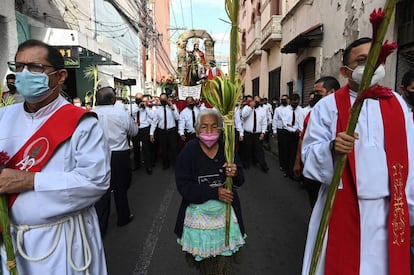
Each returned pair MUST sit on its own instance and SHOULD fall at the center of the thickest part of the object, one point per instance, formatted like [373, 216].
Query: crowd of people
[370, 225]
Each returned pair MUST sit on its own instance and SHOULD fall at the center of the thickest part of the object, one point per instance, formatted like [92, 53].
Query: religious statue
[196, 64]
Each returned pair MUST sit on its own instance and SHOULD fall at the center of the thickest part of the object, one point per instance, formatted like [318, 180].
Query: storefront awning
[309, 38]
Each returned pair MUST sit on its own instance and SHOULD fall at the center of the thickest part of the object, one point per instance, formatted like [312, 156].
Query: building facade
[309, 42]
[109, 35]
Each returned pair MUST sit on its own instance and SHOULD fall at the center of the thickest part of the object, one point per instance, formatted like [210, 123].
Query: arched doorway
[196, 36]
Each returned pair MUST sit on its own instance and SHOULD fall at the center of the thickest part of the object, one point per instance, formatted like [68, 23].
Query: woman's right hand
[225, 195]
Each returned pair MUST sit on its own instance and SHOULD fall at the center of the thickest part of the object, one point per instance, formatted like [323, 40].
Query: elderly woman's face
[209, 124]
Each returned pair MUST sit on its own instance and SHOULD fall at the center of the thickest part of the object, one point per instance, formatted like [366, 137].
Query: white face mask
[357, 73]
[77, 104]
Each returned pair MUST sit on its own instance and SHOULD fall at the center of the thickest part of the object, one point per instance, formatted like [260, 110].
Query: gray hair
[208, 112]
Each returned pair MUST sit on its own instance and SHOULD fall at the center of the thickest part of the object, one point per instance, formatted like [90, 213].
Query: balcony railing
[253, 51]
[241, 64]
[272, 32]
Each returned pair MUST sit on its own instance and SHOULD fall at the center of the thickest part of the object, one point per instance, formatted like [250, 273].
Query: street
[275, 211]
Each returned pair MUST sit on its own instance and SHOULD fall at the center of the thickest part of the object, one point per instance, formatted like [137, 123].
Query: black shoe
[264, 168]
[165, 167]
[285, 175]
[149, 171]
[130, 218]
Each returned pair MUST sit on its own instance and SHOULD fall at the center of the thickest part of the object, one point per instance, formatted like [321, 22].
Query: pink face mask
[209, 139]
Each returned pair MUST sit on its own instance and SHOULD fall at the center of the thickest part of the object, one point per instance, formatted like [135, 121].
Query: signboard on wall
[70, 55]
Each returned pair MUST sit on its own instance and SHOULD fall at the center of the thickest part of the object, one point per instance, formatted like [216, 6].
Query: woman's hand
[231, 169]
[225, 195]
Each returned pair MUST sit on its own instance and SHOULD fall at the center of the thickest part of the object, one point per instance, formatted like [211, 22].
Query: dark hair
[53, 55]
[295, 96]
[356, 43]
[407, 79]
[329, 82]
[105, 96]
[10, 76]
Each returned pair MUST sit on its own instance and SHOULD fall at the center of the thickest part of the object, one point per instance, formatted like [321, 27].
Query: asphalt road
[275, 212]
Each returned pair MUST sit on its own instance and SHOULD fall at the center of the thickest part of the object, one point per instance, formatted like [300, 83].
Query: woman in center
[200, 174]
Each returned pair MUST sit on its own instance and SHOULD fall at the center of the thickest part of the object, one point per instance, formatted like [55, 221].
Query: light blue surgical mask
[33, 87]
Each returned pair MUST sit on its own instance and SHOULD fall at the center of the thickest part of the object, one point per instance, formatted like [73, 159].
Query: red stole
[38, 149]
[343, 246]
[305, 124]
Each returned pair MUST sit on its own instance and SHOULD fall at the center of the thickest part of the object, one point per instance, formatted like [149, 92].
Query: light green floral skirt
[204, 231]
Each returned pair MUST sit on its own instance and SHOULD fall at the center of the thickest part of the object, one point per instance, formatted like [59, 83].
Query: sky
[201, 14]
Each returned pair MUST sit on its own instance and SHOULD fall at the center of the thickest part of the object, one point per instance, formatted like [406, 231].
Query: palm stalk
[223, 95]
[91, 73]
[7, 240]
[232, 9]
[370, 67]
[5, 224]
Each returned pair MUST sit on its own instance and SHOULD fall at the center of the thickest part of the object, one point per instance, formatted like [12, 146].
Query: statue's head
[196, 44]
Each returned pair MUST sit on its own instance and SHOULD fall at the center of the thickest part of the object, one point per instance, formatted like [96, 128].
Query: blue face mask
[33, 87]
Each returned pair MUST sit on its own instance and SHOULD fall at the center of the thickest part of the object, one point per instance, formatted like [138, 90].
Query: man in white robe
[54, 228]
[320, 148]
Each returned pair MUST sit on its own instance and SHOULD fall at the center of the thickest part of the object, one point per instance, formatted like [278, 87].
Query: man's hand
[297, 168]
[182, 137]
[15, 181]
[344, 143]
[261, 137]
[152, 139]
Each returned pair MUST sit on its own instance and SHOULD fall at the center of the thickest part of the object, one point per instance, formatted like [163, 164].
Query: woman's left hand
[231, 169]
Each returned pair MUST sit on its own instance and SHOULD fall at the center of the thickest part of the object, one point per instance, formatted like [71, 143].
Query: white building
[105, 34]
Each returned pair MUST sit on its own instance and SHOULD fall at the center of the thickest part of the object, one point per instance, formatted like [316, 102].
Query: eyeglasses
[31, 67]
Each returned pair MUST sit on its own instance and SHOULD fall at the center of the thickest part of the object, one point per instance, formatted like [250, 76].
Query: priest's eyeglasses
[31, 67]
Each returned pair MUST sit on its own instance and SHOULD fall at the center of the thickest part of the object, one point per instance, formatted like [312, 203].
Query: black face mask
[138, 101]
[164, 102]
[191, 106]
[11, 86]
[294, 105]
[410, 98]
[257, 104]
[284, 102]
[315, 100]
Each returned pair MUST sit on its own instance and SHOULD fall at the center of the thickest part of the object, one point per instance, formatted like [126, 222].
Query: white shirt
[269, 109]
[75, 177]
[158, 121]
[286, 115]
[238, 123]
[117, 126]
[301, 119]
[277, 122]
[145, 117]
[185, 122]
[371, 175]
[247, 115]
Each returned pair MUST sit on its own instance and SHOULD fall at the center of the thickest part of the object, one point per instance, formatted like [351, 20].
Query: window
[256, 86]
[274, 84]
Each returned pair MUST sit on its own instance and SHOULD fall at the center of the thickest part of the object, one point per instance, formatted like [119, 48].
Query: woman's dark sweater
[198, 178]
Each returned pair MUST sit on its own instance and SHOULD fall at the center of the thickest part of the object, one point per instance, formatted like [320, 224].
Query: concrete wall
[8, 41]
[343, 22]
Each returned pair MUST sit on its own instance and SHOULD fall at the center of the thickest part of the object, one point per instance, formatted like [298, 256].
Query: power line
[191, 12]
[182, 12]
